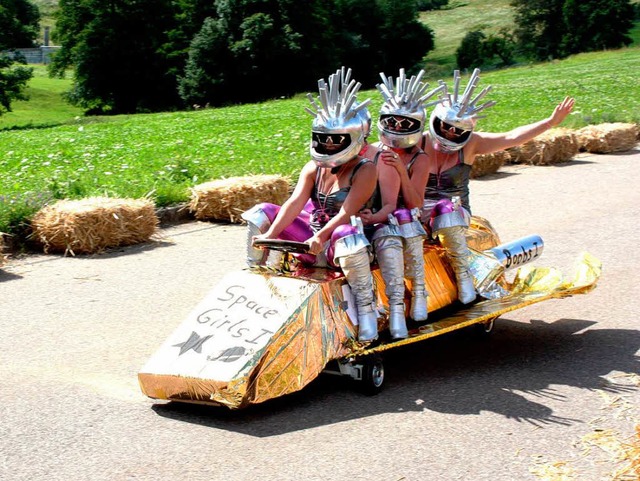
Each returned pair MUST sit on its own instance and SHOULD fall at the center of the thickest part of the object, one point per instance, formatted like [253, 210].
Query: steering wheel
[293, 247]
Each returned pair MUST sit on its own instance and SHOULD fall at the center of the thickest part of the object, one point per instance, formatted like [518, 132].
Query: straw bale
[489, 163]
[226, 199]
[607, 138]
[93, 224]
[551, 147]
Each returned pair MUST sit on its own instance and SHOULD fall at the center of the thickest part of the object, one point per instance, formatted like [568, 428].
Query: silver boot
[397, 322]
[357, 271]
[367, 324]
[257, 223]
[455, 243]
[414, 271]
[388, 251]
[255, 256]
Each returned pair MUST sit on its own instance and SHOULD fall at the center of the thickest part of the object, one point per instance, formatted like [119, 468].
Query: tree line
[19, 25]
[551, 29]
[131, 56]
[146, 55]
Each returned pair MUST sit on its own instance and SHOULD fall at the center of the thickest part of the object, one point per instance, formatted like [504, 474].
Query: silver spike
[486, 105]
[444, 95]
[439, 88]
[345, 76]
[350, 90]
[484, 92]
[386, 93]
[362, 105]
[456, 85]
[313, 102]
[389, 82]
[416, 87]
[324, 98]
[468, 92]
[334, 89]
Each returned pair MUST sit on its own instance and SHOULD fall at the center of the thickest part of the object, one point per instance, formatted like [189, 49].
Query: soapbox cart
[262, 333]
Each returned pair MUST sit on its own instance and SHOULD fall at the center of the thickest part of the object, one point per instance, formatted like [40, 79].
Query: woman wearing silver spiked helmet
[338, 182]
[402, 176]
[452, 145]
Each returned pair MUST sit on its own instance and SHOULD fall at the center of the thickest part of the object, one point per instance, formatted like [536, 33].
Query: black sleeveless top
[449, 183]
[327, 206]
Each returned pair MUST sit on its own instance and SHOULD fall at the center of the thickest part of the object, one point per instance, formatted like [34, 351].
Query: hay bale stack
[489, 163]
[551, 147]
[91, 225]
[607, 138]
[226, 199]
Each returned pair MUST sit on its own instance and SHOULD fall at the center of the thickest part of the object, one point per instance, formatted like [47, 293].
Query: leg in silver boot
[397, 322]
[357, 271]
[391, 262]
[455, 243]
[255, 257]
[367, 324]
[258, 220]
[414, 272]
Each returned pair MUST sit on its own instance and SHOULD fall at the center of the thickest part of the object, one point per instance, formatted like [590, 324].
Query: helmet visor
[399, 124]
[329, 144]
[451, 132]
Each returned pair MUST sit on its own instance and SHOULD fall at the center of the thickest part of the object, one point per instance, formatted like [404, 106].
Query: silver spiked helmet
[453, 120]
[403, 113]
[339, 127]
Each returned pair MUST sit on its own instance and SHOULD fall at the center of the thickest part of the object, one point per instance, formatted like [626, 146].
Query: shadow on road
[8, 276]
[511, 373]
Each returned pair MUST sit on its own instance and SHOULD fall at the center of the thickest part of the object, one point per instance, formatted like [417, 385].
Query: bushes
[478, 50]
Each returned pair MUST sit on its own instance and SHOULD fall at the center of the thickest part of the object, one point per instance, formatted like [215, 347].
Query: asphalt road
[552, 392]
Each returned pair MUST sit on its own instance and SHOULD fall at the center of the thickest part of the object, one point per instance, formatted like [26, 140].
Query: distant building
[41, 54]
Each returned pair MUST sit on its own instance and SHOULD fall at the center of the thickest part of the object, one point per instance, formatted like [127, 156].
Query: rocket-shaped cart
[264, 333]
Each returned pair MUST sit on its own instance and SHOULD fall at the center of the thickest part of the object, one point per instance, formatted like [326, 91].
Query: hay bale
[551, 147]
[91, 225]
[489, 163]
[607, 138]
[226, 199]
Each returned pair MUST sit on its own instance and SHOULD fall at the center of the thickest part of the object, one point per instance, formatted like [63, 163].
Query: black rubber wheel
[372, 375]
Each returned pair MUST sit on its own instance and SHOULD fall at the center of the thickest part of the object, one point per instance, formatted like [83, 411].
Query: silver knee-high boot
[454, 241]
[388, 251]
[357, 271]
[414, 271]
[255, 257]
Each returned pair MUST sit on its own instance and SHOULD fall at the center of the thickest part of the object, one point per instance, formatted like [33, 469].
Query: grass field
[450, 25]
[161, 156]
[46, 106]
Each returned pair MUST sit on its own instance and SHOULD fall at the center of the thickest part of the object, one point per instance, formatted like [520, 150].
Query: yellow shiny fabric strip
[531, 285]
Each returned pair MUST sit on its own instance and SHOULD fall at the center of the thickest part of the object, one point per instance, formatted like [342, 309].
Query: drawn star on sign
[194, 342]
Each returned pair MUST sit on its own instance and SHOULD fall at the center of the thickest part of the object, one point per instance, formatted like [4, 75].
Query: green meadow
[451, 24]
